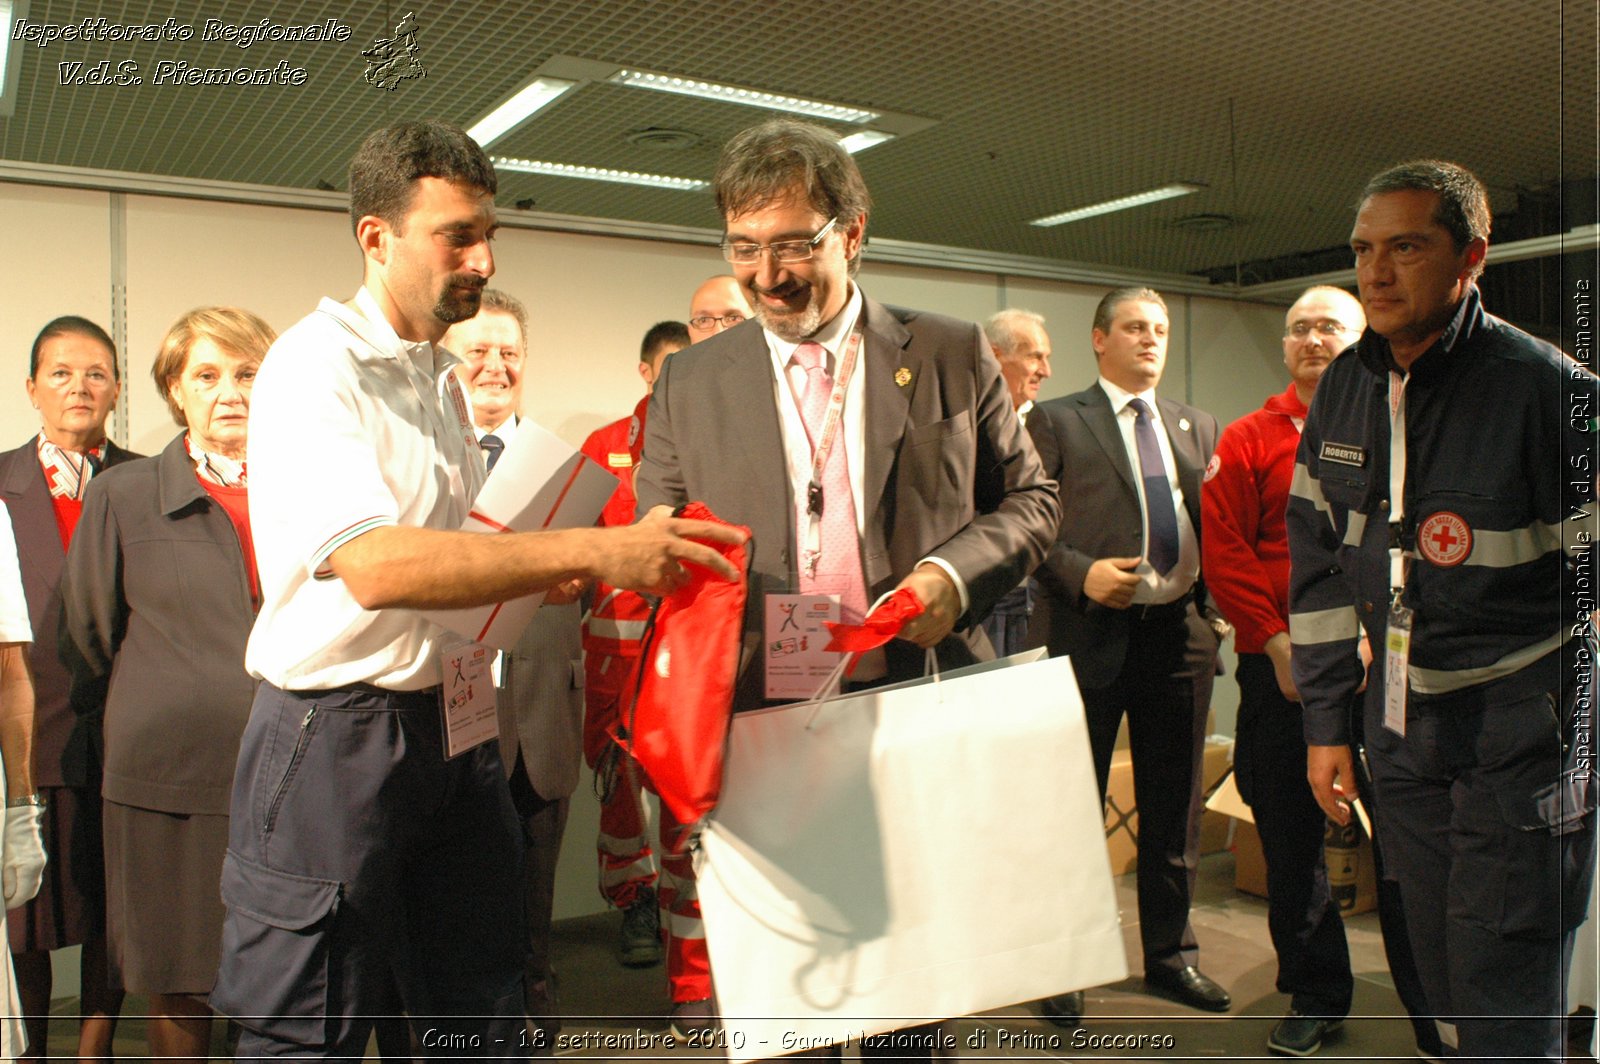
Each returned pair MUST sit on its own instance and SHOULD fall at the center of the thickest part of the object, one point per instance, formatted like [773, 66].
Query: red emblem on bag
[1444, 539]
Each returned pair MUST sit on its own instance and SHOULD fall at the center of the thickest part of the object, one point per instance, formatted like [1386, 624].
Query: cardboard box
[1351, 872]
[1122, 812]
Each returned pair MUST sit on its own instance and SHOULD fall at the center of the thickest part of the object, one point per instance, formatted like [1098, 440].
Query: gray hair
[506, 303]
[767, 162]
[1003, 326]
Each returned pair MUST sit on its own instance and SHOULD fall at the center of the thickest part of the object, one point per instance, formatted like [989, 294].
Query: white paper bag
[923, 851]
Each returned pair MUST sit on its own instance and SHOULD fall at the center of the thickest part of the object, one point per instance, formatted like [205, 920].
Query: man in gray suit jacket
[1120, 593]
[928, 482]
[540, 695]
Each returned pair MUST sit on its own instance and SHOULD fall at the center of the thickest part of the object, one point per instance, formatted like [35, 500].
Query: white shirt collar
[503, 431]
[1022, 411]
[1121, 398]
[372, 325]
[831, 336]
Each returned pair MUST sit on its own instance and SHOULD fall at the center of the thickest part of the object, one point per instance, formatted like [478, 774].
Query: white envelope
[540, 482]
[924, 851]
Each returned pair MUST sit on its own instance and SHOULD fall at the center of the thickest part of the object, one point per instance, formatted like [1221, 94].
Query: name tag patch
[1344, 454]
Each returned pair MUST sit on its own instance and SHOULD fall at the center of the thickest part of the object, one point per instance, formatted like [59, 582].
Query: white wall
[590, 300]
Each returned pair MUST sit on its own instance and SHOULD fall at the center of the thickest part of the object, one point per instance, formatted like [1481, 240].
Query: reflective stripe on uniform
[684, 926]
[1323, 626]
[615, 846]
[639, 870]
[679, 887]
[611, 628]
[1502, 550]
[1305, 486]
[1355, 527]
[1443, 681]
[1581, 530]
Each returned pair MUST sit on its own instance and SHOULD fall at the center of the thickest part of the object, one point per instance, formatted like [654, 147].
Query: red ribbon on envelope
[881, 625]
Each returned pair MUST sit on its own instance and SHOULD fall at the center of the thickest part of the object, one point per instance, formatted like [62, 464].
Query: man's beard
[454, 305]
[790, 326]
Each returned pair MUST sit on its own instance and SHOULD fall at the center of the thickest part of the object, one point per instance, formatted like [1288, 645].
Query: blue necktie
[492, 446]
[1163, 552]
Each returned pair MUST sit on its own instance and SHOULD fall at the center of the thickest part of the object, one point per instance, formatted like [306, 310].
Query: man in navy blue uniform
[1442, 503]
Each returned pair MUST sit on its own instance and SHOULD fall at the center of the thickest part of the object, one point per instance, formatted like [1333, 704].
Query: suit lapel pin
[902, 376]
[1183, 423]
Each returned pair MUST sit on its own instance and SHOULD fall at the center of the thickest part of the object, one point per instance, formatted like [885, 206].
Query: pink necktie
[838, 571]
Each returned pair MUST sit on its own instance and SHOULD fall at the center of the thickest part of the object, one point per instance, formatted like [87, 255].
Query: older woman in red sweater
[159, 596]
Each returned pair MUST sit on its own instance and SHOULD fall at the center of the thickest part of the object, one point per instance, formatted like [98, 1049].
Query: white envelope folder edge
[924, 851]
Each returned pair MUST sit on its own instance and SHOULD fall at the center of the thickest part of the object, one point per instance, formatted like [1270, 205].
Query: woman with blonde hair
[159, 596]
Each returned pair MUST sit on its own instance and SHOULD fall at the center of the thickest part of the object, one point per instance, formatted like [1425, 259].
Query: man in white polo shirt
[366, 873]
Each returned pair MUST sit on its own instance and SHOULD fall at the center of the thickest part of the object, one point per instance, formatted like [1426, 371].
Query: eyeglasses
[743, 254]
[706, 322]
[1326, 327]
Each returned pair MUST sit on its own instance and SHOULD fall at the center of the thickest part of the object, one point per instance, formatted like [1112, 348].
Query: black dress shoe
[1063, 1010]
[1300, 1036]
[1190, 986]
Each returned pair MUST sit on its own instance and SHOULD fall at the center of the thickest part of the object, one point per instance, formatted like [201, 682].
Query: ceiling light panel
[771, 101]
[599, 173]
[1121, 203]
[864, 139]
[539, 93]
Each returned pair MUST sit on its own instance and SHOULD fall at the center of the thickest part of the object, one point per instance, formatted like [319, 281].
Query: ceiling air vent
[663, 139]
[1204, 223]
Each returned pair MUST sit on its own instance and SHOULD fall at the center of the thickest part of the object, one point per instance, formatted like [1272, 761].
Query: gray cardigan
[156, 610]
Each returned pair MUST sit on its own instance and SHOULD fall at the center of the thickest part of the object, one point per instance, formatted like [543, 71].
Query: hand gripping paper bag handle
[684, 681]
[884, 621]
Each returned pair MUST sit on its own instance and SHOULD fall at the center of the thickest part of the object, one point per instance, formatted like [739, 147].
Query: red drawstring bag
[684, 684]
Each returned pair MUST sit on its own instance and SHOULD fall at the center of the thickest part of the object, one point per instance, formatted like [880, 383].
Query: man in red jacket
[611, 635]
[1246, 561]
[611, 632]
[610, 444]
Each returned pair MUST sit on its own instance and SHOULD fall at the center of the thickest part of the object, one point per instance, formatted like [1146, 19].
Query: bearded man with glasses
[925, 479]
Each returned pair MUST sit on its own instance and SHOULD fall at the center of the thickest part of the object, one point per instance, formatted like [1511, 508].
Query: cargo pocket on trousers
[1543, 808]
[274, 974]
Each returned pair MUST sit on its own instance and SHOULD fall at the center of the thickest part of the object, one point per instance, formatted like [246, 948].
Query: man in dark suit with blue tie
[1120, 594]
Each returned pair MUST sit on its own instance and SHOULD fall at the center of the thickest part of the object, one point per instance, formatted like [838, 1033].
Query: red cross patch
[1444, 539]
[1212, 467]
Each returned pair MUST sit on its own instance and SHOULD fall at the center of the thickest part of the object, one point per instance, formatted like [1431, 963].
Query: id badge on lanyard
[467, 697]
[1397, 640]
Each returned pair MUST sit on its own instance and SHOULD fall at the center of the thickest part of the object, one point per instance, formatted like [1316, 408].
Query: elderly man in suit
[540, 695]
[1120, 593]
[867, 448]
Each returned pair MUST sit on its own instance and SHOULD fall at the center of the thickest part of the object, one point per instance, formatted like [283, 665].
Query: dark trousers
[1164, 687]
[544, 822]
[1492, 894]
[1270, 765]
[1007, 624]
[1391, 906]
[365, 876]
